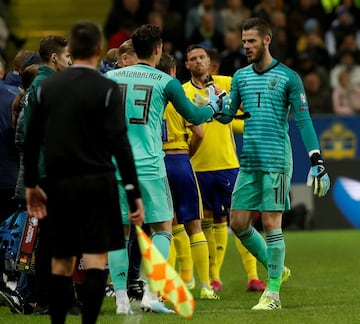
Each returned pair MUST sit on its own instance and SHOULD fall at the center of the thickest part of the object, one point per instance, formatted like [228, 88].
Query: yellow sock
[207, 227]
[183, 252]
[221, 237]
[172, 254]
[248, 260]
[200, 254]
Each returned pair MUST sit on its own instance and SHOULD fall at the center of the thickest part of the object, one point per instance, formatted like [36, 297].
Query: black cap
[33, 58]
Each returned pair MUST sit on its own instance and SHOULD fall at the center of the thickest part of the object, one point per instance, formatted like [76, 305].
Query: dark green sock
[255, 243]
[161, 240]
[276, 256]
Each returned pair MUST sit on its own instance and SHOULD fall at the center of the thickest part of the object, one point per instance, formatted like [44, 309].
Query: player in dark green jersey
[268, 91]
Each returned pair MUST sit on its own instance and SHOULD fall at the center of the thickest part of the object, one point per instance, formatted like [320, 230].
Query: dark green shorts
[261, 191]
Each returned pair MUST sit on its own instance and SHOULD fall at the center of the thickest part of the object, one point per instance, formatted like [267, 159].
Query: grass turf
[324, 288]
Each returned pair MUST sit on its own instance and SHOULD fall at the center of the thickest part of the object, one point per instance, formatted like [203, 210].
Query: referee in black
[79, 121]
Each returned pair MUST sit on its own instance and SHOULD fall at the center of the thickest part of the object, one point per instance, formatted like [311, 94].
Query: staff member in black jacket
[79, 120]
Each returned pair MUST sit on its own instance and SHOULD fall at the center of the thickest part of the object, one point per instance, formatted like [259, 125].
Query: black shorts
[84, 215]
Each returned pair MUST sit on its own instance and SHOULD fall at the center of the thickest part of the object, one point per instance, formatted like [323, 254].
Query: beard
[259, 54]
[198, 73]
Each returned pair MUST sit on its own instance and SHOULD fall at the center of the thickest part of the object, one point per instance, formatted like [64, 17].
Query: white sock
[121, 294]
[273, 295]
[153, 296]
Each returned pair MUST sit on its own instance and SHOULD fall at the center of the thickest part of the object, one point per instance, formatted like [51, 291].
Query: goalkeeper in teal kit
[268, 91]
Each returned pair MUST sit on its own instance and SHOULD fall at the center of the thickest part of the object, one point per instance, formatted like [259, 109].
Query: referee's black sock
[94, 290]
[61, 296]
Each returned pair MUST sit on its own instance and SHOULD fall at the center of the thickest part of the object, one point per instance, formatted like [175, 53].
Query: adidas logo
[121, 274]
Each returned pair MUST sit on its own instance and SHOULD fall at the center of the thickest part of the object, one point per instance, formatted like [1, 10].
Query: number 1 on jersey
[258, 95]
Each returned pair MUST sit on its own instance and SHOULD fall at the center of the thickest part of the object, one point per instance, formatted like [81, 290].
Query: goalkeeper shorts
[261, 191]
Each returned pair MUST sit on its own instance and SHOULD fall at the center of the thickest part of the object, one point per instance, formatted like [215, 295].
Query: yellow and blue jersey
[217, 150]
[174, 130]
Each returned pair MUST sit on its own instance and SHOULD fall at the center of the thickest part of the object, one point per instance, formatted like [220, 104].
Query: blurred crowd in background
[319, 39]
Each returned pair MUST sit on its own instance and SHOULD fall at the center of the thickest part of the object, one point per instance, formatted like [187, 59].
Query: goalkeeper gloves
[318, 177]
[225, 102]
[213, 100]
[199, 100]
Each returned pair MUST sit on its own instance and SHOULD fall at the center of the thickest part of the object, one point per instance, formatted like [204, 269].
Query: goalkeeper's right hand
[215, 101]
[199, 100]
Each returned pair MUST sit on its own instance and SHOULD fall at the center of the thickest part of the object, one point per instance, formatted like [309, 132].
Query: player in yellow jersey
[185, 193]
[216, 165]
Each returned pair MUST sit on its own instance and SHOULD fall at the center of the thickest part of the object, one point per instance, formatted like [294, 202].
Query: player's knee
[238, 225]
[240, 220]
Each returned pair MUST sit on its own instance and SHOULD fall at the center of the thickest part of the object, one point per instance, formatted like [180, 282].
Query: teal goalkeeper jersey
[146, 92]
[269, 96]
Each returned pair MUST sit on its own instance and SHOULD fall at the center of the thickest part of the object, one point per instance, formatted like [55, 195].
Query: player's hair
[196, 46]
[51, 44]
[126, 47]
[112, 55]
[166, 63]
[85, 39]
[260, 24]
[145, 39]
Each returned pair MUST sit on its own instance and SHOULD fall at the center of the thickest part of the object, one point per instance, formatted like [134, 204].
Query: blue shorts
[184, 188]
[156, 198]
[216, 188]
[261, 191]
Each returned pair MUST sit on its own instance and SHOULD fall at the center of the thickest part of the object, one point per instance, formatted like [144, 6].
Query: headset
[55, 61]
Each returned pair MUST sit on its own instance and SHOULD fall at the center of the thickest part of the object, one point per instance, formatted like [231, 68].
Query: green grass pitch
[324, 288]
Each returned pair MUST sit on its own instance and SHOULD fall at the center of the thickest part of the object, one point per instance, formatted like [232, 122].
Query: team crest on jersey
[273, 83]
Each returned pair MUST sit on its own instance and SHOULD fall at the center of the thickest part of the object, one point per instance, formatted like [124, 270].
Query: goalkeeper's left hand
[215, 100]
[200, 101]
[317, 176]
